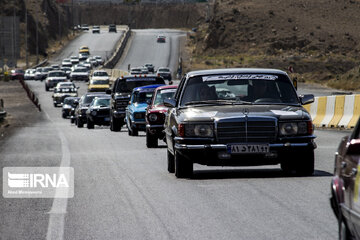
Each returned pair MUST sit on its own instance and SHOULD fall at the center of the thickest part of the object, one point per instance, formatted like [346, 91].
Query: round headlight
[93, 113]
[153, 117]
[288, 128]
[203, 131]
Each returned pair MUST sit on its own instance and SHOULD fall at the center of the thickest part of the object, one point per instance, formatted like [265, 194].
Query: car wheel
[55, 104]
[80, 124]
[151, 140]
[344, 232]
[171, 162]
[115, 125]
[183, 166]
[63, 115]
[135, 132]
[305, 164]
[46, 88]
[72, 120]
[89, 124]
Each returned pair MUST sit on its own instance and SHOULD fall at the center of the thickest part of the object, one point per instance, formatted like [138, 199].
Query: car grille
[121, 104]
[139, 115]
[103, 112]
[247, 129]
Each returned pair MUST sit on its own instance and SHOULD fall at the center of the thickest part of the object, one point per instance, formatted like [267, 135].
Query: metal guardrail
[2, 111]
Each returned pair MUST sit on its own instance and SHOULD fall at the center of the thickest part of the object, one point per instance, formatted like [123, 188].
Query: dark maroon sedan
[345, 186]
[17, 74]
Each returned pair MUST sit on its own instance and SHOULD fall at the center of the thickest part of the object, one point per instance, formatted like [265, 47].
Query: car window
[162, 95]
[142, 97]
[101, 102]
[254, 88]
[97, 82]
[100, 74]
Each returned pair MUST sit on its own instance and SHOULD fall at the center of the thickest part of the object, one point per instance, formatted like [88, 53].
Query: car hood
[210, 113]
[160, 108]
[100, 78]
[79, 73]
[100, 86]
[56, 78]
[138, 107]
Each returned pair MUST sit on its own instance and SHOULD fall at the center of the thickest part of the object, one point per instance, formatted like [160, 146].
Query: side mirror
[148, 101]
[171, 103]
[353, 147]
[108, 91]
[307, 99]
[129, 102]
[77, 87]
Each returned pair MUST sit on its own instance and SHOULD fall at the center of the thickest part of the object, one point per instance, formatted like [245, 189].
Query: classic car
[53, 78]
[98, 112]
[99, 81]
[96, 29]
[84, 49]
[161, 39]
[165, 73]
[62, 91]
[29, 74]
[69, 105]
[120, 96]
[83, 105]
[150, 67]
[112, 28]
[261, 122]
[17, 74]
[135, 112]
[80, 73]
[155, 115]
[345, 185]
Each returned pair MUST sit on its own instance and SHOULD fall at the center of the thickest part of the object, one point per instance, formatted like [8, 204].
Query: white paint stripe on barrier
[330, 109]
[348, 111]
[313, 108]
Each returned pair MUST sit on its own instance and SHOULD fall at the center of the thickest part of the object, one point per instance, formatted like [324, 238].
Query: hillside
[320, 39]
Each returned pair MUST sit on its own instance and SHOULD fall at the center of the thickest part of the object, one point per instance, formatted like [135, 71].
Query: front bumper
[218, 155]
[156, 130]
[139, 125]
[119, 114]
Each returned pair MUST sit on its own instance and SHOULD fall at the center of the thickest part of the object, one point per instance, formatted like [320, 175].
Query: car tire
[183, 166]
[63, 115]
[170, 162]
[305, 164]
[72, 120]
[115, 125]
[151, 140]
[79, 123]
[46, 88]
[135, 132]
[89, 124]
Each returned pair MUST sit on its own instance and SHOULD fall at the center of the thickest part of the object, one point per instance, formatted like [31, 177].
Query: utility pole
[37, 38]
[13, 37]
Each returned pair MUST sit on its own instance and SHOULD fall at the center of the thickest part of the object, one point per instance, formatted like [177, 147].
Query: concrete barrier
[114, 59]
[341, 111]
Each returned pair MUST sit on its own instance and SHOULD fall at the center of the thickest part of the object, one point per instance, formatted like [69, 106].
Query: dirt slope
[320, 39]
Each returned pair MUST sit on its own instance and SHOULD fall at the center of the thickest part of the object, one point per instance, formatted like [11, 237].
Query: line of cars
[163, 72]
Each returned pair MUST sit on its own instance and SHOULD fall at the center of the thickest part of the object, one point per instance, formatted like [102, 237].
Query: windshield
[129, 84]
[240, 88]
[57, 74]
[99, 82]
[88, 99]
[102, 102]
[162, 95]
[80, 70]
[164, 70]
[100, 74]
[69, 101]
[141, 97]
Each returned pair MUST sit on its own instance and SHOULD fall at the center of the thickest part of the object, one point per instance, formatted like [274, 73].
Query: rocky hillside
[320, 39]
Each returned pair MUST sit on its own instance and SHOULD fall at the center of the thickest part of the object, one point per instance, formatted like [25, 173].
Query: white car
[135, 70]
[53, 78]
[80, 74]
[66, 63]
[74, 60]
[29, 74]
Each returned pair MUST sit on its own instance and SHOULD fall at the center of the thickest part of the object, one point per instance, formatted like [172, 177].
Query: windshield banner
[239, 76]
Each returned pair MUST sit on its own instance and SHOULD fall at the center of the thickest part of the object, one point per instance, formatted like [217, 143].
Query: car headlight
[93, 113]
[153, 117]
[199, 130]
[293, 128]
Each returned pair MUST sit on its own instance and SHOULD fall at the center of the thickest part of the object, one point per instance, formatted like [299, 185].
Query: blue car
[135, 112]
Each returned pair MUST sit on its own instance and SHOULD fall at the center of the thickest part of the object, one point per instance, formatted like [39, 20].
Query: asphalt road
[123, 190]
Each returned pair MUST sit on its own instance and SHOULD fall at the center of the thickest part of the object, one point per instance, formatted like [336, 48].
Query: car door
[352, 157]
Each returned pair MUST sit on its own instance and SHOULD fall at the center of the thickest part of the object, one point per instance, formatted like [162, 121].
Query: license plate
[106, 119]
[248, 148]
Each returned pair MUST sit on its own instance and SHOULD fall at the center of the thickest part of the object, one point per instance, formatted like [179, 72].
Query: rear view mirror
[353, 147]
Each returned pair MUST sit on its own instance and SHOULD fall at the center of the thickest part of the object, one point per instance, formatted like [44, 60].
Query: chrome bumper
[179, 146]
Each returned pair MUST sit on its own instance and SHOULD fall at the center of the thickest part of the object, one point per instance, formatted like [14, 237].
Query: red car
[155, 115]
[161, 39]
[17, 74]
[345, 186]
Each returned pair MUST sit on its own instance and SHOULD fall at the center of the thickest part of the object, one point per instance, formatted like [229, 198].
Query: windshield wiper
[218, 102]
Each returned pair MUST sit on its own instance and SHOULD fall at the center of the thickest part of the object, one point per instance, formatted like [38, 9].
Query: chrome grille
[246, 129]
[121, 104]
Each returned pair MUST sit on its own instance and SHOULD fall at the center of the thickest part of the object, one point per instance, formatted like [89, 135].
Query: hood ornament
[245, 111]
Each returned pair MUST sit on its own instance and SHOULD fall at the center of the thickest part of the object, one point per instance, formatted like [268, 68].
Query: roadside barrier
[114, 59]
[340, 111]
[2, 111]
[31, 94]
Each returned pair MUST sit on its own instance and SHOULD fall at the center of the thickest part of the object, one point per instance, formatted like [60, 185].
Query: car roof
[54, 71]
[147, 87]
[167, 87]
[236, 71]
